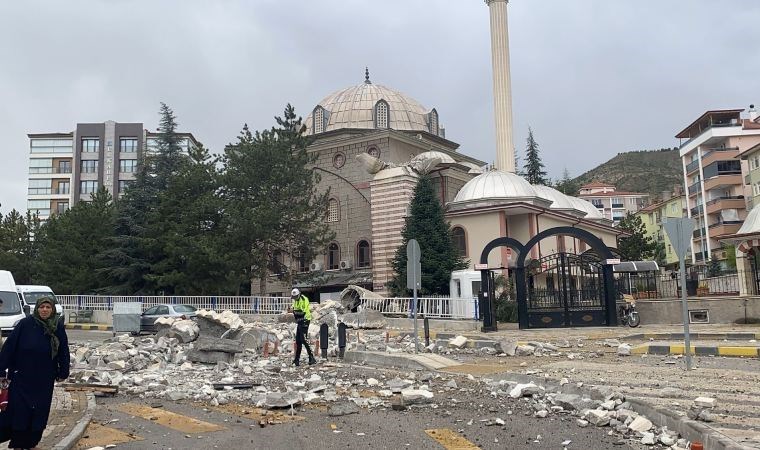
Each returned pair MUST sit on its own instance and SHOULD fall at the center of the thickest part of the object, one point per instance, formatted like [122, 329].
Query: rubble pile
[613, 412]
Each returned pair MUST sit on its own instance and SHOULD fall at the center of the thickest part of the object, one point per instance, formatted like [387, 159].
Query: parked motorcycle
[628, 314]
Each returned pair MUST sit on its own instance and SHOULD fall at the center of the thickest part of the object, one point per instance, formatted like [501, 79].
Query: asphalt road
[372, 429]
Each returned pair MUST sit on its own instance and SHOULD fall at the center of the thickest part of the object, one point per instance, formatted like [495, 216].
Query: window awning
[636, 266]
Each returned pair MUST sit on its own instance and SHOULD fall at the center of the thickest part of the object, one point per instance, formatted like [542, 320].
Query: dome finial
[366, 75]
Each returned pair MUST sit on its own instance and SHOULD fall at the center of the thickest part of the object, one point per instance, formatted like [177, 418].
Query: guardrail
[432, 307]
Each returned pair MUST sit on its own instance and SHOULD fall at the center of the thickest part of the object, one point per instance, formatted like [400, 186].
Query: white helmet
[295, 292]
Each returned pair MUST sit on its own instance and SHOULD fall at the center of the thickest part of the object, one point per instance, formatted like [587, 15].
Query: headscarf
[50, 325]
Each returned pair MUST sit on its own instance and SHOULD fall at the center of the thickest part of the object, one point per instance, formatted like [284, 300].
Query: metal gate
[565, 290]
[754, 288]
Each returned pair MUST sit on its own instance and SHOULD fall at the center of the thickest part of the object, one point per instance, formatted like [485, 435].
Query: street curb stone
[68, 442]
[699, 350]
[88, 327]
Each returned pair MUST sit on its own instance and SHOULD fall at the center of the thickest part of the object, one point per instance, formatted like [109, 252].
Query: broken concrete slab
[364, 319]
[458, 342]
[342, 409]
[640, 424]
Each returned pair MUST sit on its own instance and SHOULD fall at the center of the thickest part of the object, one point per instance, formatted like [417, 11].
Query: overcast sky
[591, 77]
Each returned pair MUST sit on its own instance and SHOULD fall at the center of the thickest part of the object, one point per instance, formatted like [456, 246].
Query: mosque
[373, 142]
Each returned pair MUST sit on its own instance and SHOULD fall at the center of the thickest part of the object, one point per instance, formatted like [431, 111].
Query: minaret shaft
[502, 85]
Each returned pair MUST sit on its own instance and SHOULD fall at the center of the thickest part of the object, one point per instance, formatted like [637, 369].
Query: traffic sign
[612, 261]
[413, 267]
[679, 230]
[481, 266]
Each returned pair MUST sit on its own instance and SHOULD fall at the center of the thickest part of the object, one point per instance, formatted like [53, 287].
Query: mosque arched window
[319, 117]
[381, 114]
[333, 210]
[363, 255]
[459, 238]
[433, 122]
[333, 257]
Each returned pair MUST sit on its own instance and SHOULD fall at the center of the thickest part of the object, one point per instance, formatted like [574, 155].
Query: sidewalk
[70, 413]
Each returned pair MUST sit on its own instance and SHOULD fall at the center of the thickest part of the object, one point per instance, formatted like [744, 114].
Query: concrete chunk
[705, 402]
[458, 342]
[640, 424]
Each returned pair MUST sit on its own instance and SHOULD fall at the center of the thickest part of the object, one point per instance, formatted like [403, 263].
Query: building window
[373, 152]
[128, 145]
[381, 114]
[64, 166]
[433, 122]
[617, 202]
[333, 210]
[88, 187]
[64, 187]
[39, 207]
[319, 117]
[39, 187]
[89, 166]
[363, 257]
[127, 165]
[90, 145]
[123, 184]
[339, 160]
[62, 207]
[460, 240]
[597, 202]
[51, 146]
[756, 189]
[40, 166]
[333, 257]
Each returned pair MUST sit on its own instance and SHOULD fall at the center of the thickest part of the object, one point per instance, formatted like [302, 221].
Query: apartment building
[712, 166]
[65, 168]
[652, 216]
[611, 203]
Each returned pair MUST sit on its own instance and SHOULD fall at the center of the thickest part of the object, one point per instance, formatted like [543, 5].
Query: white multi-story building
[612, 204]
[65, 168]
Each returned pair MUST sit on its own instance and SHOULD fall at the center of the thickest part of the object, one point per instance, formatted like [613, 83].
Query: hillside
[648, 171]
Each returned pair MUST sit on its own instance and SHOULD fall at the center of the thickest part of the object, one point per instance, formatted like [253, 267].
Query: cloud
[591, 77]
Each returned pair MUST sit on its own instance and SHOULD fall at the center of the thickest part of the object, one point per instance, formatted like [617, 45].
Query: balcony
[692, 166]
[50, 170]
[719, 154]
[696, 211]
[731, 202]
[699, 256]
[724, 228]
[617, 205]
[694, 188]
[723, 180]
[698, 233]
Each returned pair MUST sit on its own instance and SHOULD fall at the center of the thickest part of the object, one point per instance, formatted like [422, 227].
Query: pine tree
[533, 168]
[565, 184]
[271, 202]
[19, 246]
[638, 246]
[137, 243]
[69, 241]
[439, 257]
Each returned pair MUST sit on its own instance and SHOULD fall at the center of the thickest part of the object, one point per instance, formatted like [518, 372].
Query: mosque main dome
[371, 106]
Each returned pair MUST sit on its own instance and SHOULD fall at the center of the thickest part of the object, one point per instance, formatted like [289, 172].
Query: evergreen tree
[137, 243]
[69, 242]
[565, 184]
[192, 258]
[439, 257]
[533, 168]
[638, 246]
[18, 245]
[271, 202]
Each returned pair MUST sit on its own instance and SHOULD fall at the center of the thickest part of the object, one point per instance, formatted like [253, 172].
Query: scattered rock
[458, 342]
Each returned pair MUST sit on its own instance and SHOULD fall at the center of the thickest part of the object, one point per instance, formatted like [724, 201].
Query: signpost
[414, 281]
[679, 232]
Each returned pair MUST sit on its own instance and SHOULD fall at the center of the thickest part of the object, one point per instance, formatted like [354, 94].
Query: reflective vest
[302, 304]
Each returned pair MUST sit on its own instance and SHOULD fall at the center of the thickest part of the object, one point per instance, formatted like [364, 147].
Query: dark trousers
[302, 340]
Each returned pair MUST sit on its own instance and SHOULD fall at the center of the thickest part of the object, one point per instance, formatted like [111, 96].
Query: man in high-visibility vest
[302, 313]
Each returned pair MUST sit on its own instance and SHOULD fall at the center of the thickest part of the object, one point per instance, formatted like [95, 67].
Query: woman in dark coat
[36, 354]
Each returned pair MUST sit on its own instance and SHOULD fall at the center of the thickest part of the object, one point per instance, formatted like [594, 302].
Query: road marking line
[169, 419]
[451, 440]
[97, 435]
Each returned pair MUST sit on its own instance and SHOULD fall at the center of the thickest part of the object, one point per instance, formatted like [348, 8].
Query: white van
[11, 309]
[30, 294]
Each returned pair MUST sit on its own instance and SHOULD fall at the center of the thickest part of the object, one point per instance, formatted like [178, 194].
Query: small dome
[751, 224]
[445, 159]
[587, 207]
[558, 199]
[495, 184]
[354, 107]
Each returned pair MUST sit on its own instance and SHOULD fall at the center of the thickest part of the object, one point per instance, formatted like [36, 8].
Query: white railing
[432, 307]
[240, 305]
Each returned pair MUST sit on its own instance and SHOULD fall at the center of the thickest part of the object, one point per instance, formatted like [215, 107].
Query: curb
[88, 327]
[687, 428]
[76, 433]
[702, 336]
[698, 350]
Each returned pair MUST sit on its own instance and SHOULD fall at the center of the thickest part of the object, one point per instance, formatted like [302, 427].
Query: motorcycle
[628, 314]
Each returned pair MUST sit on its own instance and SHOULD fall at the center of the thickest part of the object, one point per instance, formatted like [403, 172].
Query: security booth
[126, 317]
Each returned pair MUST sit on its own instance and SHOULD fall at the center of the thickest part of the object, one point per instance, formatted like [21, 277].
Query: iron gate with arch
[565, 290]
